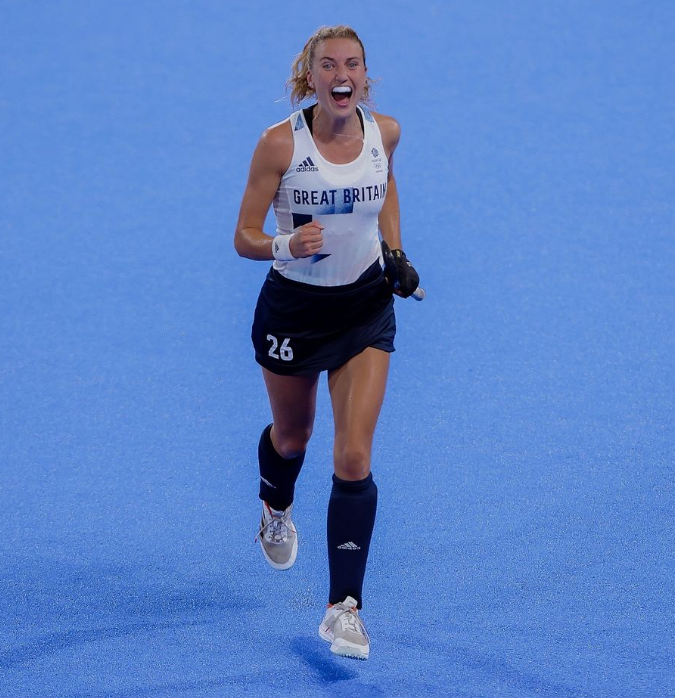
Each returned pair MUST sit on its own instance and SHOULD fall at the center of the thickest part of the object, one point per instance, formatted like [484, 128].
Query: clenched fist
[307, 240]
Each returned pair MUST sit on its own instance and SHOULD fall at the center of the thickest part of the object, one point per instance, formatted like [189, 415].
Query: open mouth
[342, 95]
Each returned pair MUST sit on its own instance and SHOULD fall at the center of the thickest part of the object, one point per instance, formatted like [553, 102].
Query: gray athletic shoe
[278, 537]
[343, 628]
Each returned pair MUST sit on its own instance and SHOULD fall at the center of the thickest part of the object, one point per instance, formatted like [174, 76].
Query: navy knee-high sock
[277, 474]
[351, 517]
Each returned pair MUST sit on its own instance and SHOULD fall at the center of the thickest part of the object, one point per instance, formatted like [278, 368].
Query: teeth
[346, 90]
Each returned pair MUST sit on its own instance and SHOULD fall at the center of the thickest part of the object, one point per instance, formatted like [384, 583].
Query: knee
[290, 443]
[352, 463]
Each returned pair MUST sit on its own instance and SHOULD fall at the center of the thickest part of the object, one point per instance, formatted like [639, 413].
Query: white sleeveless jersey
[345, 199]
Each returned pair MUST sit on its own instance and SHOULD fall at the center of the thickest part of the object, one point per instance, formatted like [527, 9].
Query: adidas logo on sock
[307, 166]
[348, 546]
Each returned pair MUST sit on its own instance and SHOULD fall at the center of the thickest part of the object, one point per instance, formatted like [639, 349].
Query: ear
[310, 81]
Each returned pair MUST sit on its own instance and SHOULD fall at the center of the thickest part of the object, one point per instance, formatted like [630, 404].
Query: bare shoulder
[390, 130]
[278, 135]
[275, 147]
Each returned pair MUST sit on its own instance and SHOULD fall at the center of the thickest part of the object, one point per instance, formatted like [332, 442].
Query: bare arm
[267, 167]
[270, 161]
[400, 272]
[390, 217]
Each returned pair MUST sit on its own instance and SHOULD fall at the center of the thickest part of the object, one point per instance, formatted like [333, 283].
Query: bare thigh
[357, 392]
[293, 403]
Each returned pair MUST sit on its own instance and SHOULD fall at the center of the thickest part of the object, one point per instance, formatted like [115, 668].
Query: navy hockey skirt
[300, 329]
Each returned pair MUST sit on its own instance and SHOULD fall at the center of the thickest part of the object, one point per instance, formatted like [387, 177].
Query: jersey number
[285, 351]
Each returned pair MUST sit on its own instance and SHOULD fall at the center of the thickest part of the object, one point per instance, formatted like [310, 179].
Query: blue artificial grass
[525, 452]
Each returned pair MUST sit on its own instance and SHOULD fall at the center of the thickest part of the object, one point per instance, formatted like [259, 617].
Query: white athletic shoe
[343, 628]
[278, 537]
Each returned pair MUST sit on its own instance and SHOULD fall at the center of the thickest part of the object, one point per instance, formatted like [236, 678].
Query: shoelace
[352, 622]
[276, 529]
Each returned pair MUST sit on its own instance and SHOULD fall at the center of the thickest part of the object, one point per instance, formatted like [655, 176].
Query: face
[338, 76]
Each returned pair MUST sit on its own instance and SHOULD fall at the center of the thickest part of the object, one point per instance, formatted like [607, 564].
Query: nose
[341, 74]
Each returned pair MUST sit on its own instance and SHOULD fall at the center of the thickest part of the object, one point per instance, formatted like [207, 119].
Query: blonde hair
[297, 81]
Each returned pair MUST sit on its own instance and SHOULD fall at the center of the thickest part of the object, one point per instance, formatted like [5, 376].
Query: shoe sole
[350, 651]
[283, 565]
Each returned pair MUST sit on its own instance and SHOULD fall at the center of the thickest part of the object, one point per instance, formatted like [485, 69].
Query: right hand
[307, 240]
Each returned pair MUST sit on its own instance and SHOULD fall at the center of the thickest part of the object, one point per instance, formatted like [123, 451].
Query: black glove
[399, 272]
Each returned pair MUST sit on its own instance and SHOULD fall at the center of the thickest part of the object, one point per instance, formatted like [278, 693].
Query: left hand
[407, 278]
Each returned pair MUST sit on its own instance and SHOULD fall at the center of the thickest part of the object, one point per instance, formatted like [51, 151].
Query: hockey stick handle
[390, 272]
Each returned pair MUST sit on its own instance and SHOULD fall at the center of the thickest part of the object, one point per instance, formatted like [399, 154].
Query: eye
[353, 64]
[327, 66]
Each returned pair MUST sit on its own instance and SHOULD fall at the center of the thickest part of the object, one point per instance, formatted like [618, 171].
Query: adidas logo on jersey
[348, 546]
[307, 166]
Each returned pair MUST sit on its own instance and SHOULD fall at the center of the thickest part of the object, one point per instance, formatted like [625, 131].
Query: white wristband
[281, 248]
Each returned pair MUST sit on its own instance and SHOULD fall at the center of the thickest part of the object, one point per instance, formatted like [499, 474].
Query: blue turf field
[525, 456]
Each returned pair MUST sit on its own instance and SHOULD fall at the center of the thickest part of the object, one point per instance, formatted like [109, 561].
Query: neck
[328, 127]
